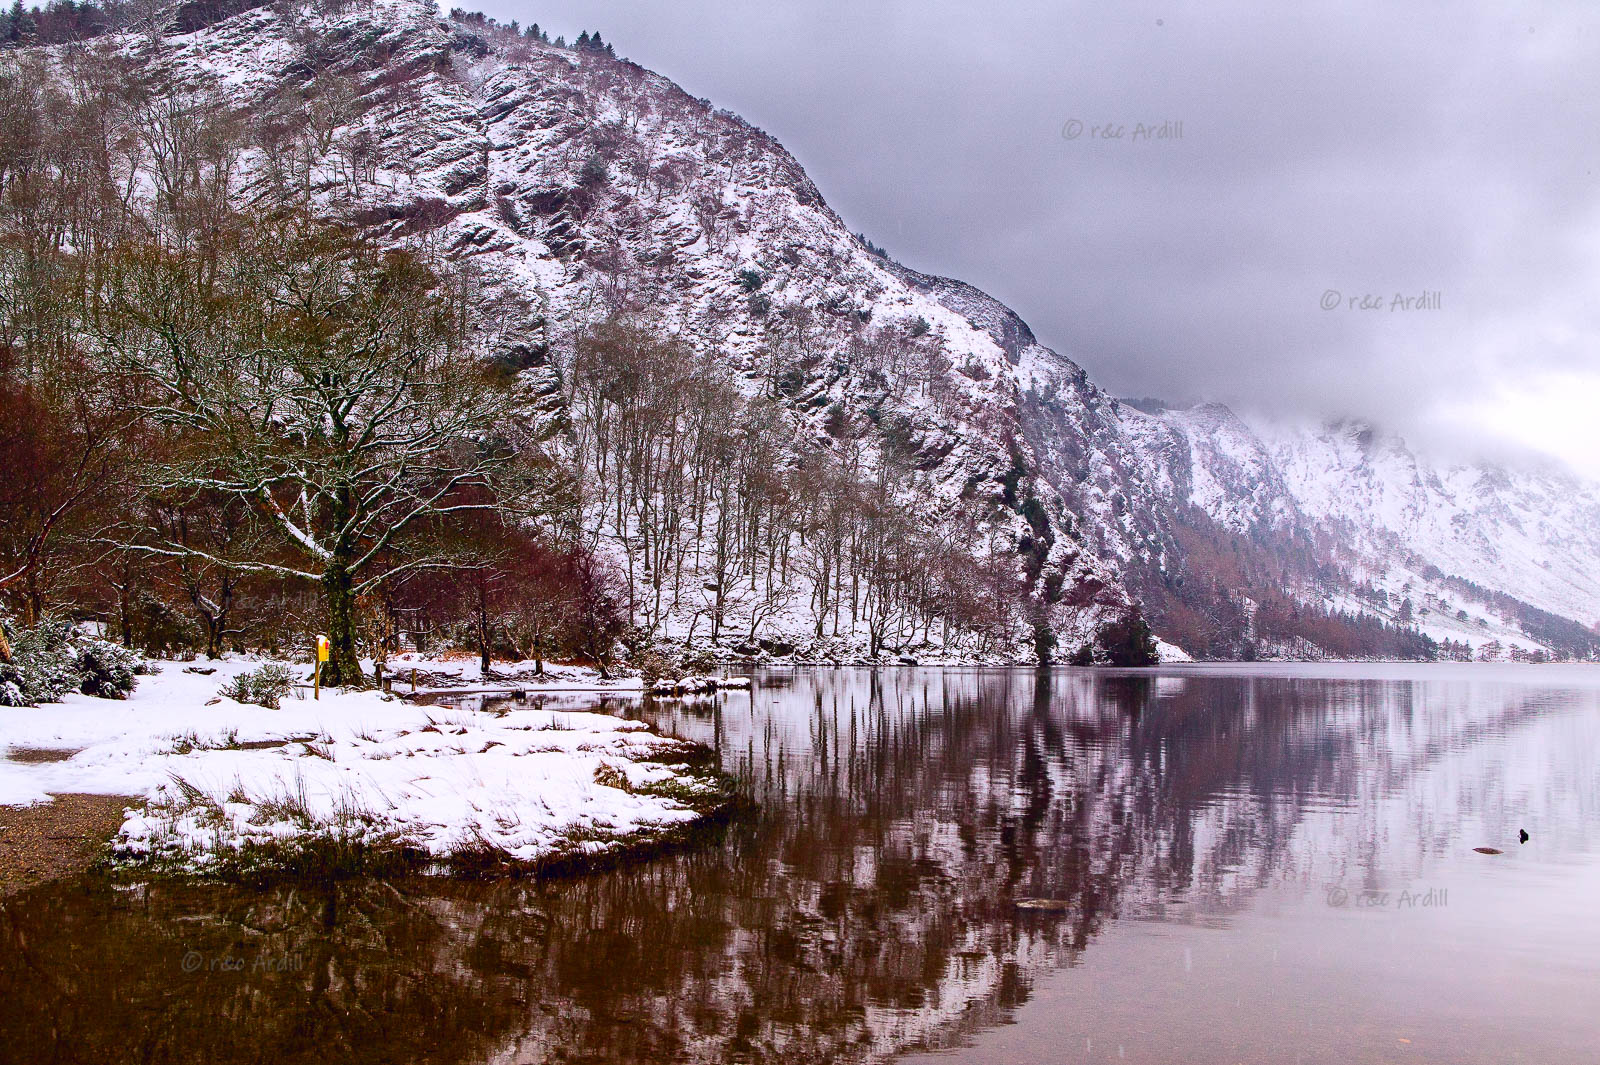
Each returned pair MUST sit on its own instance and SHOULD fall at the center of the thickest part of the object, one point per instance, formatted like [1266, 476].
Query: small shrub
[595, 173]
[53, 658]
[107, 671]
[47, 661]
[1128, 642]
[262, 687]
[654, 666]
[11, 685]
[792, 381]
[698, 661]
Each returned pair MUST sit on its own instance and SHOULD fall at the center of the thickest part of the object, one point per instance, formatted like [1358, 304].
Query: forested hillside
[263, 380]
[427, 330]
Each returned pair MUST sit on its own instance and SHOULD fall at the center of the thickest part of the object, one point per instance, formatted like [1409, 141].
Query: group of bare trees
[729, 514]
[229, 422]
[216, 416]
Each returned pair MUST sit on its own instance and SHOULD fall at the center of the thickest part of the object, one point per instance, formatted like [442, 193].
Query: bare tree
[60, 452]
[326, 384]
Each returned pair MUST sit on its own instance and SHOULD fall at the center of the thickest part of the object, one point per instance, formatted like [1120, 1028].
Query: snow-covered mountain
[580, 185]
[1445, 535]
[1532, 532]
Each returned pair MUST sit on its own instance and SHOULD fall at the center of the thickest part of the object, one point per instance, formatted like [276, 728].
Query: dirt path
[54, 840]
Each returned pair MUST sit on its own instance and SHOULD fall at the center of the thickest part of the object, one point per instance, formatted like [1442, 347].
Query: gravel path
[55, 839]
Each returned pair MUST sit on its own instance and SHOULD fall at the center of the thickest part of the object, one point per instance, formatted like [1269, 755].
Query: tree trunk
[599, 655]
[485, 660]
[343, 669]
[125, 615]
[5, 647]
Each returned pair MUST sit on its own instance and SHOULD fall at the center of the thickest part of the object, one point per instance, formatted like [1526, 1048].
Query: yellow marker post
[322, 656]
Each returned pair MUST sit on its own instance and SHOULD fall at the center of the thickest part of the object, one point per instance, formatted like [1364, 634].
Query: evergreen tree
[1044, 641]
[20, 28]
[583, 39]
[1129, 642]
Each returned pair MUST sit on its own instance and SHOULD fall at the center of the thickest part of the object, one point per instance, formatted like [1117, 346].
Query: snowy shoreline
[358, 780]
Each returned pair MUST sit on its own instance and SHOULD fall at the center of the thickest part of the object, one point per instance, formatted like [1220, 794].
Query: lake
[1251, 864]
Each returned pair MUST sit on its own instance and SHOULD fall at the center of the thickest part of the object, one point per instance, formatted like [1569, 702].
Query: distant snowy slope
[1533, 533]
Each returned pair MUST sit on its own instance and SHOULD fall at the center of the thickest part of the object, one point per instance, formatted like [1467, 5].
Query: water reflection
[871, 906]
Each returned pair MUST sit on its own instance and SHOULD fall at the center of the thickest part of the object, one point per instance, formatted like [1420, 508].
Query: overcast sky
[1328, 152]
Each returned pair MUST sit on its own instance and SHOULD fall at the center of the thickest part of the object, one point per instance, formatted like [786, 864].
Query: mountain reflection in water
[871, 906]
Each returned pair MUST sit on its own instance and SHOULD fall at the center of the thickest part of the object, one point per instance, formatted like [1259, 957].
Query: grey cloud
[1446, 147]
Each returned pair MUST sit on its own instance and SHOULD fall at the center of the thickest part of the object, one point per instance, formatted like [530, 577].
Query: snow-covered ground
[1169, 653]
[220, 782]
[436, 674]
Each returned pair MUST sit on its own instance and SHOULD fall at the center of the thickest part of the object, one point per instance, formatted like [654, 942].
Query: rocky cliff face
[581, 186]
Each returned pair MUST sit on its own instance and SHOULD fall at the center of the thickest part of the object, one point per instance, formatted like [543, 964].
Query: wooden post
[322, 656]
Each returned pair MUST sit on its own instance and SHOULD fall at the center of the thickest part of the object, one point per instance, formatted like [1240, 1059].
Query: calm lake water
[1203, 865]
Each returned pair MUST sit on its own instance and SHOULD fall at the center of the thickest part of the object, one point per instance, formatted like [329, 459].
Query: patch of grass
[289, 806]
[693, 791]
[318, 858]
[193, 741]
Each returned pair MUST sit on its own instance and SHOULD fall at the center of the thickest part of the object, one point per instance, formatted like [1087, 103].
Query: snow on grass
[440, 674]
[355, 777]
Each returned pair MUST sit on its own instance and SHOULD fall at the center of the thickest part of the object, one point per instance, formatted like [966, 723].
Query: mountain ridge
[584, 188]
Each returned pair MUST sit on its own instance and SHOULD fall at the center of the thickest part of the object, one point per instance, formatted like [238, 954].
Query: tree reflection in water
[870, 905]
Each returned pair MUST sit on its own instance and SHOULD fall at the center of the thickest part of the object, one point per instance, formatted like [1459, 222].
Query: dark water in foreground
[1244, 865]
